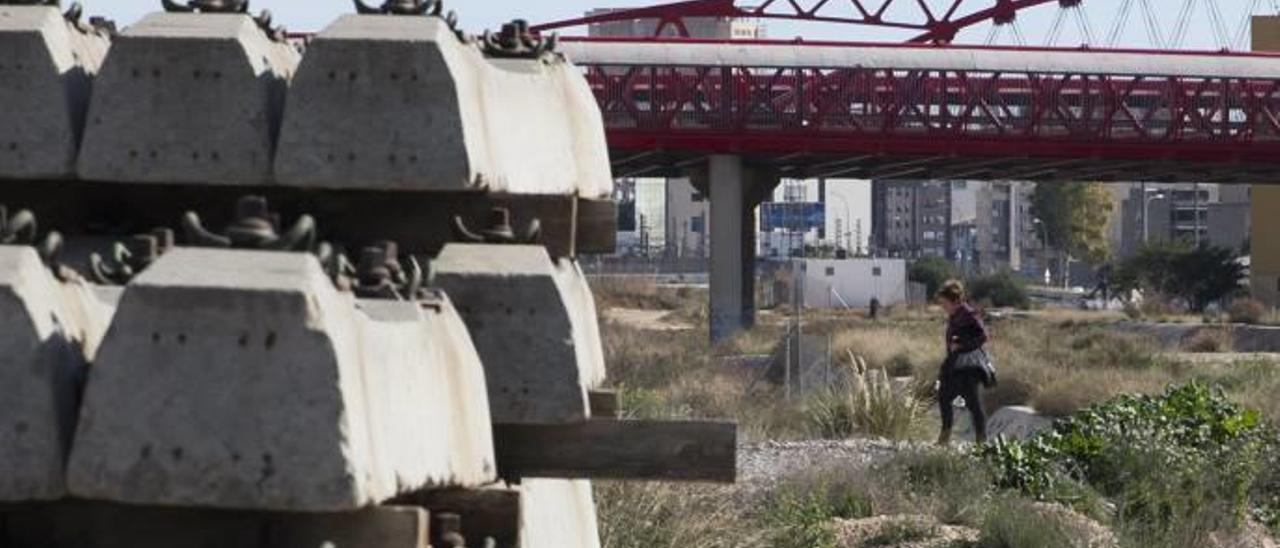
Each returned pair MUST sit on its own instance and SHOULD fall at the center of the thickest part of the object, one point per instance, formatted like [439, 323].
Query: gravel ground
[762, 466]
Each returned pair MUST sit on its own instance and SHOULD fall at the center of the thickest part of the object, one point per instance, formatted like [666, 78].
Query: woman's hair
[952, 290]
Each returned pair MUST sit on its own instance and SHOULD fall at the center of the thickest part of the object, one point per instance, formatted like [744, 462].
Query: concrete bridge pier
[735, 191]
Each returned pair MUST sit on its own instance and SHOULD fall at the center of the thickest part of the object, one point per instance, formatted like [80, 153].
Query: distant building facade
[697, 27]
[688, 216]
[1205, 213]
[983, 227]
[852, 283]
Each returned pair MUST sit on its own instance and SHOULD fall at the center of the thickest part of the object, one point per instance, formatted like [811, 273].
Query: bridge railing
[819, 103]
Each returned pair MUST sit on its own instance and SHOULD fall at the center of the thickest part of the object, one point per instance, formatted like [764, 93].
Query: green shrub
[932, 272]
[1000, 290]
[1176, 464]
[800, 514]
[1198, 276]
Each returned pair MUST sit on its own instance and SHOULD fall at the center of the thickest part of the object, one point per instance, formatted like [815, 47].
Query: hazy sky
[312, 15]
[1207, 19]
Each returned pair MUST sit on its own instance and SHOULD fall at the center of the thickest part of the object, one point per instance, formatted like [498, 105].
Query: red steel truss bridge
[1105, 90]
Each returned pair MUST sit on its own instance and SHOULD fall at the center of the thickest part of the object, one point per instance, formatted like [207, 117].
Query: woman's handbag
[978, 361]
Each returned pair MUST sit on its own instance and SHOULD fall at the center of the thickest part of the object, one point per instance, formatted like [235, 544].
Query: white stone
[1013, 422]
[47, 332]
[400, 103]
[557, 513]
[188, 98]
[239, 379]
[1017, 422]
[533, 323]
[46, 66]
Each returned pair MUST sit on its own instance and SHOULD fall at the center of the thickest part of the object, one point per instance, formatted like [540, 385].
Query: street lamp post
[1044, 248]
[1147, 196]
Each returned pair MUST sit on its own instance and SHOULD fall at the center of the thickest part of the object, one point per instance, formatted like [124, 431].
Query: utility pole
[1196, 211]
[858, 236]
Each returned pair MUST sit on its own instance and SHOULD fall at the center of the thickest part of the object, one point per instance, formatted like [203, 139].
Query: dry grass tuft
[868, 403]
[648, 515]
[1210, 340]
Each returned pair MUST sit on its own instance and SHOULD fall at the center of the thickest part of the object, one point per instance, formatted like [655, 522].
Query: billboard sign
[792, 216]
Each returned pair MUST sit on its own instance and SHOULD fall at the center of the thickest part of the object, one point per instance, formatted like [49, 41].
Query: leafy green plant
[1188, 456]
[801, 513]
[1198, 276]
[999, 290]
[932, 272]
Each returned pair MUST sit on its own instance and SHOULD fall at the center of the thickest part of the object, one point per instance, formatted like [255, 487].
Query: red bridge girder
[933, 25]
[887, 122]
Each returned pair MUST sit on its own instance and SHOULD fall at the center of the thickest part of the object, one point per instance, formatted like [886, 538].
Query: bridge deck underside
[889, 123]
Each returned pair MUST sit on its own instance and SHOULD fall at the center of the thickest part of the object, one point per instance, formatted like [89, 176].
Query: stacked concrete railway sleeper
[265, 293]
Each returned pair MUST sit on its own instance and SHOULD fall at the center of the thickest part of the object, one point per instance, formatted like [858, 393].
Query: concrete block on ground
[527, 318]
[188, 98]
[47, 332]
[401, 103]
[47, 64]
[557, 514]
[1015, 422]
[241, 379]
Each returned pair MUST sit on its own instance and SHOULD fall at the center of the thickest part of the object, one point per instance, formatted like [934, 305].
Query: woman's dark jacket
[965, 329]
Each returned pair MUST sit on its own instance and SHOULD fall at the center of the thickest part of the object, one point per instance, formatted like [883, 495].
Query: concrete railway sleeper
[240, 313]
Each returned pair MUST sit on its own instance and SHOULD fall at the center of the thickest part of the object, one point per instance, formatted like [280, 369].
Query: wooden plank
[604, 404]
[486, 513]
[79, 524]
[624, 450]
[384, 526]
[597, 227]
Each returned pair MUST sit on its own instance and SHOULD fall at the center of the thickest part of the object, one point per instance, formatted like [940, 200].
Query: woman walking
[967, 369]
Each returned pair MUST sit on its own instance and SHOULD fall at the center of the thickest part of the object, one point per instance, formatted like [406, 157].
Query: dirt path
[649, 320]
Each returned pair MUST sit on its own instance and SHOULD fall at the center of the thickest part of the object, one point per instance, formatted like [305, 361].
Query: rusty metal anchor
[207, 6]
[381, 275]
[402, 7]
[255, 227]
[498, 230]
[515, 40]
[21, 228]
[130, 257]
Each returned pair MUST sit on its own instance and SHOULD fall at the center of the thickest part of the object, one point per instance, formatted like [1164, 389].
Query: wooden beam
[604, 404]
[597, 228]
[77, 524]
[622, 450]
